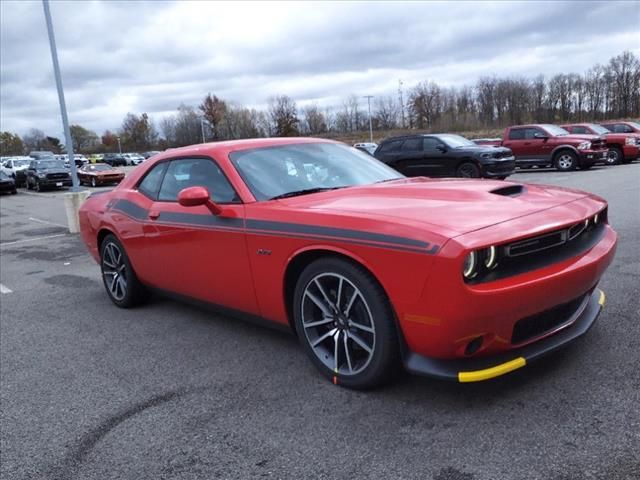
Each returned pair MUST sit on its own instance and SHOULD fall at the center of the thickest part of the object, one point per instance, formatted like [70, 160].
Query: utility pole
[202, 129]
[63, 107]
[401, 102]
[369, 97]
[119, 146]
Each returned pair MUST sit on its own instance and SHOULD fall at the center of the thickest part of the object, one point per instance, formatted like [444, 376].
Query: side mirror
[195, 196]
[442, 148]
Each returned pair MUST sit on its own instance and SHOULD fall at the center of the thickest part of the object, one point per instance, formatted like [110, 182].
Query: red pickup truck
[623, 147]
[549, 145]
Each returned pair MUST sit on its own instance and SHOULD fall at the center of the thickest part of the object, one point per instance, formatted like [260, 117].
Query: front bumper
[592, 157]
[485, 368]
[65, 182]
[7, 186]
[500, 168]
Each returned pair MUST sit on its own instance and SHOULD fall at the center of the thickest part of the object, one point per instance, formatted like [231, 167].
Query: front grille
[57, 176]
[598, 144]
[536, 244]
[537, 325]
[502, 154]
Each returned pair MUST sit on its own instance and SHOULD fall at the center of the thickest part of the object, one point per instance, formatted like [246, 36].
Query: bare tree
[213, 109]
[314, 121]
[425, 103]
[386, 112]
[283, 113]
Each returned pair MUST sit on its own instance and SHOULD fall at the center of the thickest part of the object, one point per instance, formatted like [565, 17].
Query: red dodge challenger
[457, 279]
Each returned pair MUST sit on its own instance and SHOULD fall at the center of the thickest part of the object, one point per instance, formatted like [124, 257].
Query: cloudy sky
[119, 56]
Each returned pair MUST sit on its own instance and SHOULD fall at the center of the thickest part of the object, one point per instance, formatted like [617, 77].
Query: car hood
[481, 148]
[102, 173]
[452, 206]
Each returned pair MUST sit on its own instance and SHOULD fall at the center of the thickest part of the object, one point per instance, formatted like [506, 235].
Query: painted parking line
[4, 289]
[46, 222]
[3, 244]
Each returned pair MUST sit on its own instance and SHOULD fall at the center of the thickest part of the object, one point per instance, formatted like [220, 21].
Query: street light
[202, 129]
[119, 146]
[63, 107]
[369, 97]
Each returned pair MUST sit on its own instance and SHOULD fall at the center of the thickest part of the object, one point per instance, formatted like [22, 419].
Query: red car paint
[412, 235]
[627, 143]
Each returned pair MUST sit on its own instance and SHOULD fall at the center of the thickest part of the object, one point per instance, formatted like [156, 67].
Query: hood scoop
[509, 191]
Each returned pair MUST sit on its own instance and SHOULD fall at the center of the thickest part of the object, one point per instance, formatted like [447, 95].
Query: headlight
[596, 218]
[42, 175]
[491, 257]
[630, 141]
[584, 146]
[485, 155]
[470, 267]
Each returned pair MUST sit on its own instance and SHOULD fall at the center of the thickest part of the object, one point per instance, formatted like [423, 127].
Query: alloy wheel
[565, 161]
[338, 323]
[612, 157]
[114, 271]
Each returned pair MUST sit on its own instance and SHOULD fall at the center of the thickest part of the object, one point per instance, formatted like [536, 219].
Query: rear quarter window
[391, 147]
[516, 134]
[150, 184]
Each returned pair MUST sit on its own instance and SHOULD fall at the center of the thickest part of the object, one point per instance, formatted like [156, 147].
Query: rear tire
[122, 285]
[345, 324]
[615, 156]
[468, 170]
[565, 161]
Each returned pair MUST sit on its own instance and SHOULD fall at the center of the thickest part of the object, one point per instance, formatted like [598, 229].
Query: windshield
[635, 125]
[3, 175]
[275, 171]
[454, 141]
[21, 163]
[599, 129]
[100, 167]
[49, 164]
[555, 130]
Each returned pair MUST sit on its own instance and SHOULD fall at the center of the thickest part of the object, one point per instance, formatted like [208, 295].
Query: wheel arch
[102, 234]
[560, 148]
[300, 259]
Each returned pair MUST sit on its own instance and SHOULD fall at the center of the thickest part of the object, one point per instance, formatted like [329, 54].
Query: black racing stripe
[272, 228]
[334, 232]
[131, 209]
[200, 220]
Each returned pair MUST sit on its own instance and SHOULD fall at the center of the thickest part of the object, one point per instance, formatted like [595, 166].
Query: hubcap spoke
[350, 304]
[324, 337]
[360, 326]
[326, 298]
[359, 341]
[324, 321]
[346, 353]
[114, 271]
[336, 342]
[319, 303]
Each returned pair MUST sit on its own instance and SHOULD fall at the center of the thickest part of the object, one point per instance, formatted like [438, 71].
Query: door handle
[153, 215]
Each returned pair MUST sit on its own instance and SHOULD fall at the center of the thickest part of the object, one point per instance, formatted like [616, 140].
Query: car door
[189, 250]
[517, 143]
[436, 162]
[410, 160]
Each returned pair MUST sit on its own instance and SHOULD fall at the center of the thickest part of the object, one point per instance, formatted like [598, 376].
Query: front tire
[468, 170]
[565, 161]
[120, 281]
[345, 324]
[615, 156]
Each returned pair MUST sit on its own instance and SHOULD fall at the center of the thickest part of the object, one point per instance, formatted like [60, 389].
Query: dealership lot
[173, 391]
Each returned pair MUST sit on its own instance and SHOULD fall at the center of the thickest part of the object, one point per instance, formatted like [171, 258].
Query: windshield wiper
[389, 180]
[305, 191]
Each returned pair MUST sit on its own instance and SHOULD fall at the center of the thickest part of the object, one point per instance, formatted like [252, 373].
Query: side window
[197, 172]
[151, 182]
[391, 147]
[516, 134]
[622, 128]
[430, 144]
[412, 145]
[530, 133]
[578, 130]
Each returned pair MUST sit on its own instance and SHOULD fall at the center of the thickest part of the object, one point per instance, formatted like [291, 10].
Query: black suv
[445, 155]
[47, 173]
[114, 159]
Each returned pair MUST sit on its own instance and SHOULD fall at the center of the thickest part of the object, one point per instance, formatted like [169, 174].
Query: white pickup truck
[16, 167]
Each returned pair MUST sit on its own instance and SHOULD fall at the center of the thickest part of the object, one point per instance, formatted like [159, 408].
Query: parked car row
[566, 148]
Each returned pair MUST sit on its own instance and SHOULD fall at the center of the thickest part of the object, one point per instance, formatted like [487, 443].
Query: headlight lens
[470, 267]
[584, 146]
[596, 218]
[630, 141]
[491, 258]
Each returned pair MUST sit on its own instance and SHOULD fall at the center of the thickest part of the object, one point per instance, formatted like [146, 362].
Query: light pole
[369, 97]
[119, 146]
[63, 107]
[202, 129]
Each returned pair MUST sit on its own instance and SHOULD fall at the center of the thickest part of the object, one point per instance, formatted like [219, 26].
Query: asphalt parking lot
[170, 391]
